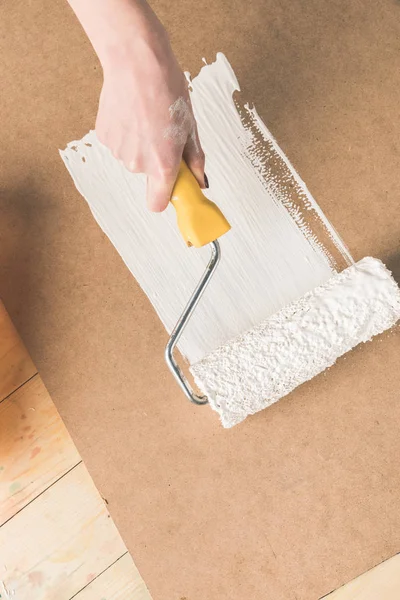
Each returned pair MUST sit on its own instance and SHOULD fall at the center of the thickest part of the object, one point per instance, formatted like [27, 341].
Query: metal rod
[183, 321]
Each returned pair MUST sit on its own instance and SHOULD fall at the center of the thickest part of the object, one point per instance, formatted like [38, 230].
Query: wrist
[121, 30]
[136, 34]
[137, 46]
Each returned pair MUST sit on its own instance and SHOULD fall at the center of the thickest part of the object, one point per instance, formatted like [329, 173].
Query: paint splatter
[14, 487]
[90, 577]
[35, 452]
[36, 578]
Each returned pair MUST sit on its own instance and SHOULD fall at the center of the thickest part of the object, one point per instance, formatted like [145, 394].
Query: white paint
[302, 191]
[270, 257]
[183, 124]
[300, 341]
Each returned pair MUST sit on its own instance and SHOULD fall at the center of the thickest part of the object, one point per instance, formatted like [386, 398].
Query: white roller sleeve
[301, 340]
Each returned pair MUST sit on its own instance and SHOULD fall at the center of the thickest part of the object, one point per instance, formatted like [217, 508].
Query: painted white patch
[279, 186]
[269, 259]
[300, 341]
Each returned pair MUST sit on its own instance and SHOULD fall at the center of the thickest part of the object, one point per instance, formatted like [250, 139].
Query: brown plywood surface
[304, 496]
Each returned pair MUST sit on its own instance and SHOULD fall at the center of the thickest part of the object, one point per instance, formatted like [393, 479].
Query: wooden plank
[58, 543]
[16, 366]
[121, 581]
[380, 583]
[64, 538]
[35, 447]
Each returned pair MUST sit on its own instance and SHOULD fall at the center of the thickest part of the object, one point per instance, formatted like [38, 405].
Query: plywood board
[305, 496]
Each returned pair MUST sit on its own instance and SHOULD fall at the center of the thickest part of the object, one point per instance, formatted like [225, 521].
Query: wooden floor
[380, 583]
[57, 540]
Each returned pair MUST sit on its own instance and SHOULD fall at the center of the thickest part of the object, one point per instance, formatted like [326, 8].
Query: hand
[145, 117]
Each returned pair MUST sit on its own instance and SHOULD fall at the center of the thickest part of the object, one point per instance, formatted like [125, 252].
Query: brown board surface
[305, 495]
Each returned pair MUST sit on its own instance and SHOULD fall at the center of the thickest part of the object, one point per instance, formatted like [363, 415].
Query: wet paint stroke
[280, 247]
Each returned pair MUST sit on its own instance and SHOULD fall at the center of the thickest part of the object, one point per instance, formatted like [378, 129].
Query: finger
[194, 157]
[159, 189]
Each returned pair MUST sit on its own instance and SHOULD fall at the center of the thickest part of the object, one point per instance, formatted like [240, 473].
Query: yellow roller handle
[200, 221]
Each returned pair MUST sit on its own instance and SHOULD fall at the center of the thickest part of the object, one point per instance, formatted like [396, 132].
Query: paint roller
[303, 339]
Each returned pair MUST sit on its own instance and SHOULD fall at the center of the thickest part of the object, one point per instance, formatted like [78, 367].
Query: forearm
[116, 27]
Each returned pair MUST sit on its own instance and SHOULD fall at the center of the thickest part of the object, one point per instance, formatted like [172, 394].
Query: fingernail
[206, 181]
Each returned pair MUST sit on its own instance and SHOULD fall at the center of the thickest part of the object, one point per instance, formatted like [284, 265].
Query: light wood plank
[60, 542]
[35, 447]
[64, 543]
[121, 581]
[16, 366]
[380, 583]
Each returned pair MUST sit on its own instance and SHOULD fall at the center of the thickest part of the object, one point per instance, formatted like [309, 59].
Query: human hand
[145, 115]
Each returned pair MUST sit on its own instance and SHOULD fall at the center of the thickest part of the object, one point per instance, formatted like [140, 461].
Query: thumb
[159, 190]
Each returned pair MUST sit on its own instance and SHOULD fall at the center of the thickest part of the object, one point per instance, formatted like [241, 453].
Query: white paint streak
[300, 341]
[302, 191]
[269, 258]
